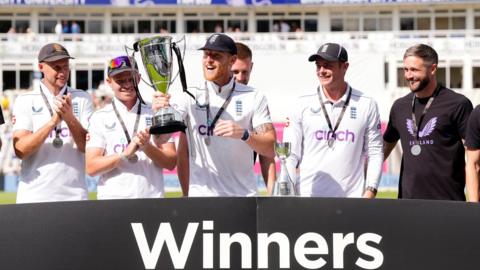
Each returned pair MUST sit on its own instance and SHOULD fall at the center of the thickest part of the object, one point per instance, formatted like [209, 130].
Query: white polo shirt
[225, 167]
[142, 179]
[337, 171]
[51, 174]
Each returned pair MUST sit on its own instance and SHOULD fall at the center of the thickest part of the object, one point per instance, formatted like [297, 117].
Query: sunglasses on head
[121, 61]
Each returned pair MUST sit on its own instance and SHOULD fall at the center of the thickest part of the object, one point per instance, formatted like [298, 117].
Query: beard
[423, 83]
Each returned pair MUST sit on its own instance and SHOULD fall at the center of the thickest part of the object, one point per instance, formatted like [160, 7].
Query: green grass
[9, 197]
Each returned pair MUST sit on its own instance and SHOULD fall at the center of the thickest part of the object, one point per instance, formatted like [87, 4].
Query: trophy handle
[181, 68]
[135, 83]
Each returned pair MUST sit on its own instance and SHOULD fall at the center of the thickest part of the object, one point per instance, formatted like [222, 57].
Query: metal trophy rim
[167, 120]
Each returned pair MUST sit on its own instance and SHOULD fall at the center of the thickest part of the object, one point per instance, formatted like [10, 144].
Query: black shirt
[438, 172]
[472, 138]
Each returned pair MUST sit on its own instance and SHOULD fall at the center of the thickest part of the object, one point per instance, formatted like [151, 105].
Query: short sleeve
[22, 119]
[262, 113]
[472, 135]
[391, 134]
[96, 136]
[87, 111]
[461, 116]
[293, 133]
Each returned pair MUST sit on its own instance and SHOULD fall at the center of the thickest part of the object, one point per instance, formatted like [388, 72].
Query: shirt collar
[48, 93]
[342, 100]
[221, 89]
[121, 107]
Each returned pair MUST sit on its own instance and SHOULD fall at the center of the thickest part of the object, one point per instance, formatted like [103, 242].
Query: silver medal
[57, 142]
[207, 140]
[133, 158]
[331, 141]
[416, 150]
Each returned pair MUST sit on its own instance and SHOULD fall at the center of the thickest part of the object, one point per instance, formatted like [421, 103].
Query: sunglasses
[118, 62]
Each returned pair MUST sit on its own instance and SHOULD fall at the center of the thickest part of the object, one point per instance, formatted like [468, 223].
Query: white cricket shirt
[337, 171]
[142, 179]
[51, 174]
[225, 167]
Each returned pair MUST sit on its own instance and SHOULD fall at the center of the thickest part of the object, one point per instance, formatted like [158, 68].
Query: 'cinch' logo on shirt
[346, 135]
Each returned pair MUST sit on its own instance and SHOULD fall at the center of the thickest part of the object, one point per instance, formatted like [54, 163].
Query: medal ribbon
[414, 119]
[325, 113]
[57, 129]
[137, 120]
[211, 123]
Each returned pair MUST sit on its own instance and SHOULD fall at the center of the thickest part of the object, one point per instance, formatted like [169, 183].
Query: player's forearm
[28, 144]
[263, 143]
[163, 157]
[267, 166]
[387, 149]
[183, 170]
[95, 165]
[78, 134]
[472, 181]
[183, 165]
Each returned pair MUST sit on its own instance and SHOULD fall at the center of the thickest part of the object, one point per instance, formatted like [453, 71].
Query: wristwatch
[246, 135]
[372, 189]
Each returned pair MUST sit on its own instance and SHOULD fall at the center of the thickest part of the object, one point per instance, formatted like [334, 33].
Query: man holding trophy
[333, 131]
[227, 122]
[119, 144]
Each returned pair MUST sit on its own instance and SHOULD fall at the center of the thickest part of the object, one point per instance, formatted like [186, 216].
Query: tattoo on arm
[264, 128]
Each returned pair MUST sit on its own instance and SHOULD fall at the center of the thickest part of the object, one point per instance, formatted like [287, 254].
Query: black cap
[120, 64]
[220, 42]
[331, 52]
[53, 52]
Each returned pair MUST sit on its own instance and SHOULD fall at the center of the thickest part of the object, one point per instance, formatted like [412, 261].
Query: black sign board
[240, 233]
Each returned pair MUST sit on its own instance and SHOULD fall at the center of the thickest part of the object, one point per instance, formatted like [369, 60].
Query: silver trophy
[157, 57]
[284, 186]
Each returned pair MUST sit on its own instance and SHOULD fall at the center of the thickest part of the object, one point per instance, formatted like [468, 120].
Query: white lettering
[301, 250]
[306, 245]
[264, 241]
[370, 251]
[164, 234]
[226, 240]
[339, 244]
[207, 245]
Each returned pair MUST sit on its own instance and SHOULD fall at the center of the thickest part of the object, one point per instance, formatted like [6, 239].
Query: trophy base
[167, 120]
[168, 127]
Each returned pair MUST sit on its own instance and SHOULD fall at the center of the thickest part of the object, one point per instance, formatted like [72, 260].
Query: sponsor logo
[204, 130]
[64, 133]
[427, 129]
[367, 244]
[315, 110]
[37, 110]
[111, 126]
[346, 135]
[119, 147]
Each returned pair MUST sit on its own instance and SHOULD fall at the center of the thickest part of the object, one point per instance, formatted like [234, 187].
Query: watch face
[246, 135]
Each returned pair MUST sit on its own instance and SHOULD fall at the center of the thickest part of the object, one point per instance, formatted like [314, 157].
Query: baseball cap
[120, 64]
[220, 42]
[331, 52]
[53, 52]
